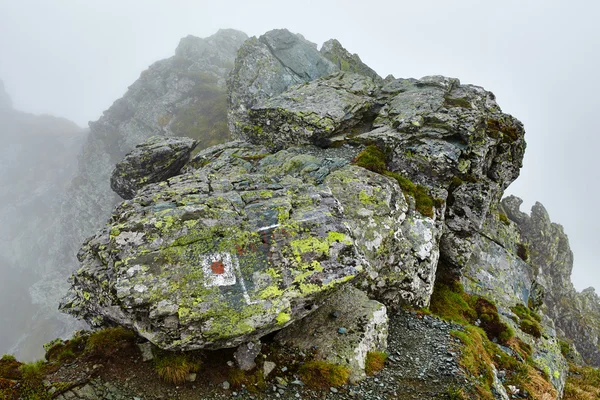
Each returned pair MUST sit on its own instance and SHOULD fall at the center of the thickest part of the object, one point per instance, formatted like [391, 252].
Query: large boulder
[343, 331]
[313, 112]
[155, 160]
[267, 66]
[246, 242]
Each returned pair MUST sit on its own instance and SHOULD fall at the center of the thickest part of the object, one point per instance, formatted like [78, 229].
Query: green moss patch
[373, 159]
[528, 320]
[450, 302]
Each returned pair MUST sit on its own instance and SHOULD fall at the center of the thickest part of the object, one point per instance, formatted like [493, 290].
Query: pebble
[342, 331]
[226, 385]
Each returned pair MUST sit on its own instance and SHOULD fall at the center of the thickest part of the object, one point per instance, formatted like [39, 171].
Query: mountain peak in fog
[5, 100]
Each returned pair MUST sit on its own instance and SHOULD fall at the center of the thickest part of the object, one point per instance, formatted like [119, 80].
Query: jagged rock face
[576, 315]
[313, 112]
[184, 95]
[5, 100]
[337, 54]
[364, 325]
[245, 242]
[498, 270]
[455, 139]
[450, 137]
[266, 67]
[155, 160]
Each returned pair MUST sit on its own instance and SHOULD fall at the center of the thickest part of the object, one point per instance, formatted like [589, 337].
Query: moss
[450, 302]
[423, 201]
[372, 159]
[252, 381]
[323, 375]
[497, 129]
[283, 318]
[375, 362]
[529, 320]
[504, 218]
[10, 368]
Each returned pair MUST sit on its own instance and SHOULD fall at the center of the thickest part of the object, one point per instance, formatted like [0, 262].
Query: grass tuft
[375, 362]
[175, 367]
[322, 375]
[108, 342]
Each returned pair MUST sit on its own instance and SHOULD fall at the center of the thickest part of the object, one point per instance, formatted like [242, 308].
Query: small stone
[284, 369]
[226, 385]
[333, 390]
[191, 377]
[335, 314]
[146, 350]
[268, 367]
[342, 331]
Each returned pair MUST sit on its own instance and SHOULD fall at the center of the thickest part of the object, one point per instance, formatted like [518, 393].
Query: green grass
[375, 362]
[175, 367]
[108, 342]
[323, 375]
[449, 301]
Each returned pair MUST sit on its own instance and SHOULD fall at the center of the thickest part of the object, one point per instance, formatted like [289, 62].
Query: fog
[72, 59]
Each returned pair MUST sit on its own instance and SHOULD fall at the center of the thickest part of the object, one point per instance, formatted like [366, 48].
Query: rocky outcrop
[343, 331]
[314, 112]
[245, 244]
[455, 139]
[347, 62]
[500, 270]
[576, 315]
[155, 160]
[267, 66]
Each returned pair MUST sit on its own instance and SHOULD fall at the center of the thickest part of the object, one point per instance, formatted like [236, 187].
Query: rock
[313, 112]
[454, 139]
[367, 331]
[268, 367]
[268, 66]
[337, 54]
[226, 385]
[191, 377]
[146, 350]
[155, 160]
[262, 236]
[498, 389]
[497, 271]
[246, 354]
[219, 256]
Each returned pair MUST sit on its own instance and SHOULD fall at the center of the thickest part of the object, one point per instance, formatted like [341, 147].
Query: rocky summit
[355, 223]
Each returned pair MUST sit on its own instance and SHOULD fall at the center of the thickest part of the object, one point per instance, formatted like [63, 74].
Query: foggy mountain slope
[184, 95]
[37, 160]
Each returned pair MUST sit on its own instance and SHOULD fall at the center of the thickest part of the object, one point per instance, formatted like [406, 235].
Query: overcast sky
[73, 58]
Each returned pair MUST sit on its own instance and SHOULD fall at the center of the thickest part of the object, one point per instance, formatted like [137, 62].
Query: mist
[73, 59]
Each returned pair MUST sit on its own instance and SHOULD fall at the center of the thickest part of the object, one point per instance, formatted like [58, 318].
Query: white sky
[73, 58]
